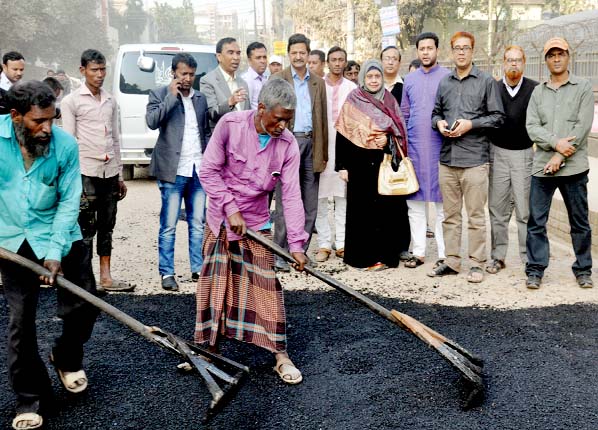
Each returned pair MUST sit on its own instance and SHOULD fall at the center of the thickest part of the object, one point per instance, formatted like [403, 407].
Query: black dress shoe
[585, 281]
[533, 282]
[441, 269]
[170, 284]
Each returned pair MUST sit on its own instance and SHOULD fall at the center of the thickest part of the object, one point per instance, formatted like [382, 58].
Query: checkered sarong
[238, 294]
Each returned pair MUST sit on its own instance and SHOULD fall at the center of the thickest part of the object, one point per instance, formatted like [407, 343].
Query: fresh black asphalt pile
[360, 371]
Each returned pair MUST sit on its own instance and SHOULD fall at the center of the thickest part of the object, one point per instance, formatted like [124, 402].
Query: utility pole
[254, 20]
[490, 28]
[350, 28]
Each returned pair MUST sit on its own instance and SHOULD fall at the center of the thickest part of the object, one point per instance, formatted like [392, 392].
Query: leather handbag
[397, 183]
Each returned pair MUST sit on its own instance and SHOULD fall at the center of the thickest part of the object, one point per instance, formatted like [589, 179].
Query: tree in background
[326, 22]
[53, 31]
[174, 24]
[131, 24]
[565, 7]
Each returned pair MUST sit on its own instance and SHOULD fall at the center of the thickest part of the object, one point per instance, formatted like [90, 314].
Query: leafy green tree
[175, 24]
[52, 30]
[131, 23]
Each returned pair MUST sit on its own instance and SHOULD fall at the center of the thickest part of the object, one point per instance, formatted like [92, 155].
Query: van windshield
[135, 81]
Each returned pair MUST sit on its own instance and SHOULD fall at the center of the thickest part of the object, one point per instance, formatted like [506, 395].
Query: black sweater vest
[512, 134]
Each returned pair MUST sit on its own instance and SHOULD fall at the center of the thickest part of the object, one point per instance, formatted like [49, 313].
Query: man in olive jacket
[310, 128]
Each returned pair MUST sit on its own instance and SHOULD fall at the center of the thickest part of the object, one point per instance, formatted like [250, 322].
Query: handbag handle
[394, 139]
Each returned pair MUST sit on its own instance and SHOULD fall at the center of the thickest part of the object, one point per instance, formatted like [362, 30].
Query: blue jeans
[575, 196]
[195, 206]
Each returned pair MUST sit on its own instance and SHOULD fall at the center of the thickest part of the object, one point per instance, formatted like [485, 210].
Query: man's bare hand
[564, 147]
[237, 224]
[300, 261]
[122, 190]
[240, 95]
[464, 126]
[344, 175]
[174, 87]
[443, 127]
[553, 165]
[55, 269]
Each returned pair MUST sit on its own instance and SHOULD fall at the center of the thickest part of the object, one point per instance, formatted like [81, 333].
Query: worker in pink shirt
[238, 294]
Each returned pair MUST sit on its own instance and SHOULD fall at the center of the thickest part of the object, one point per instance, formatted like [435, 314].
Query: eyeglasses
[461, 48]
[390, 59]
[514, 60]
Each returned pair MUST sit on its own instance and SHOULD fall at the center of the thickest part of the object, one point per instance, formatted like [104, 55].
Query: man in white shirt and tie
[255, 76]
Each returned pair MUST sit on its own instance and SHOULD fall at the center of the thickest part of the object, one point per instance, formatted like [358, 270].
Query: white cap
[275, 59]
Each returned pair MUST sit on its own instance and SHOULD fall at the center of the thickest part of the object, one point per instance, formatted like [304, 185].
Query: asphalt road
[360, 371]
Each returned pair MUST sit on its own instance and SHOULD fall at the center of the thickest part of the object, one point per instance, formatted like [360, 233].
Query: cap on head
[555, 42]
[275, 59]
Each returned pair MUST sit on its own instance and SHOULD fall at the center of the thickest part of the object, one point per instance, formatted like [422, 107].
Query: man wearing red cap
[559, 119]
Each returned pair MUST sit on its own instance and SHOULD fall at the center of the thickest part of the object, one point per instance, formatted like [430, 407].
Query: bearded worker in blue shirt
[40, 191]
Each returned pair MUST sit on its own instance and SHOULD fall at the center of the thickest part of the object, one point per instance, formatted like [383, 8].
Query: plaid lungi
[238, 294]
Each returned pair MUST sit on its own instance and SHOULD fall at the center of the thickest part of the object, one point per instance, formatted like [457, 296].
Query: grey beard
[264, 128]
[34, 147]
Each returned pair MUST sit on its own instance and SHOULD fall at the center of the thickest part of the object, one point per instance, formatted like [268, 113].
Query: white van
[139, 69]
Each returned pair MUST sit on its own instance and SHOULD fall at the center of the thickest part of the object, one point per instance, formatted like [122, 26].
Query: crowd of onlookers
[315, 142]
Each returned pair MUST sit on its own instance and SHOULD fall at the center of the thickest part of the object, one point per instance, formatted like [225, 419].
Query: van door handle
[133, 116]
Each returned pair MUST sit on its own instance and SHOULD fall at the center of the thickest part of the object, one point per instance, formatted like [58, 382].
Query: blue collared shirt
[303, 123]
[40, 205]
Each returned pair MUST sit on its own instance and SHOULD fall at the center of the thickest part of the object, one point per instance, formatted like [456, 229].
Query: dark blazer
[319, 117]
[166, 112]
[217, 93]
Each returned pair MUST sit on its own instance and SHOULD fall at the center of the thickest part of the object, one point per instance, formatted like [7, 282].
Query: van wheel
[128, 172]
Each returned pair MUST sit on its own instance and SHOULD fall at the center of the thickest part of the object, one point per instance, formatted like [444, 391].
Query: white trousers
[339, 210]
[418, 222]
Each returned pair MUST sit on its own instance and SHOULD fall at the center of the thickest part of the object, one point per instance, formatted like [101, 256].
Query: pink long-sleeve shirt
[238, 175]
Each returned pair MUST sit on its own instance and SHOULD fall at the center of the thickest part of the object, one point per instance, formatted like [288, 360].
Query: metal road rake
[209, 365]
[467, 363]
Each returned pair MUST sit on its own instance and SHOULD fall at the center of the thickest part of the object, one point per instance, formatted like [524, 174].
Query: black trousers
[98, 211]
[28, 375]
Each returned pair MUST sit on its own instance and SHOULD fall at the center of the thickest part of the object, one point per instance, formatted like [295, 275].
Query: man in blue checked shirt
[40, 190]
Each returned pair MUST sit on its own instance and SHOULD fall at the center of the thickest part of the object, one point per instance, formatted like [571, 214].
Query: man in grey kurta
[559, 119]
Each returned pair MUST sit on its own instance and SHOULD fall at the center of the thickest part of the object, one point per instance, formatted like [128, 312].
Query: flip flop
[414, 262]
[475, 275]
[69, 379]
[291, 371]
[33, 417]
[118, 287]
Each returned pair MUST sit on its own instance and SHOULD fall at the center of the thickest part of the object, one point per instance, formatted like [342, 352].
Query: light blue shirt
[40, 205]
[303, 123]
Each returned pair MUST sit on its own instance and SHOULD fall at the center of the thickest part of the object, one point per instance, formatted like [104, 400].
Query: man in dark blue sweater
[511, 161]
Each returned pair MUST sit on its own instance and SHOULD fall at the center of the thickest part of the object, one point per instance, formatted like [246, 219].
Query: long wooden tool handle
[379, 309]
[115, 313]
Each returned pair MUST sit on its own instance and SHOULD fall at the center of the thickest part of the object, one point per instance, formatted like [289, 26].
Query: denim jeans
[189, 189]
[575, 196]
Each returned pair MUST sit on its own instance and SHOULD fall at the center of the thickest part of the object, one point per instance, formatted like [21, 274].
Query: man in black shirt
[467, 106]
[511, 161]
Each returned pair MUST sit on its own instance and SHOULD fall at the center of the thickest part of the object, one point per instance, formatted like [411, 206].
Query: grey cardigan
[166, 112]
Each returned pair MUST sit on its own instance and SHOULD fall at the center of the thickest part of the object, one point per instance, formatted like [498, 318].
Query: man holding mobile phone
[466, 99]
[175, 163]
[559, 120]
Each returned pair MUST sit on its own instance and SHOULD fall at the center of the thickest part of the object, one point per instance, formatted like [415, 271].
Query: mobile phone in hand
[455, 125]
